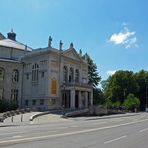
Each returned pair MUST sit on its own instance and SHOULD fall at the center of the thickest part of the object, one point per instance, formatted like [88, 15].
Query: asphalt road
[123, 132]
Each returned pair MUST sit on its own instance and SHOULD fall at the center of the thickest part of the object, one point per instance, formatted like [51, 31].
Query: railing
[7, 114]
[78, 84]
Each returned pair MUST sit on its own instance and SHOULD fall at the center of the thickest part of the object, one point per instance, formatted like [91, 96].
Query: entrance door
[76, 100]
[66, 100]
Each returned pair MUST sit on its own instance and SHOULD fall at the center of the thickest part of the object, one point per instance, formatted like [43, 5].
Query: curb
[117, 116]
[75, 113]
[37, 115]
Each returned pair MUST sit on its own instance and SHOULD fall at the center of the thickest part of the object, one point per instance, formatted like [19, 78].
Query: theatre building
[44, 78]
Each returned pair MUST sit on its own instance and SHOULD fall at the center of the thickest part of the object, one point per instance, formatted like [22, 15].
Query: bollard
[21, 117]
[12, 119]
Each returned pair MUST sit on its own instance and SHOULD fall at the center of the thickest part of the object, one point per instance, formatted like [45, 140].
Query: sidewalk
[114, 116]
[18, 119]
[50, 118]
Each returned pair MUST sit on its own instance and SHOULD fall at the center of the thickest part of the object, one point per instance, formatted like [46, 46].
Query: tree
[94, 79]
[98, 96]
[120, 85]
[93, 75]
[131, 102]
[142, 80]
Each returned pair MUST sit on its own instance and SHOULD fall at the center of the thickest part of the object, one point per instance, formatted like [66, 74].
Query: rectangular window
[54, 87]
[53, 101]
[1, 93]
[14, 94]
[27, 76]
[41, 101]
[42, 74]
[34, 102]
[26, 102]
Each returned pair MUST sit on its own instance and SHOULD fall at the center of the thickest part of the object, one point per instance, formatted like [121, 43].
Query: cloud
[110, 72]
[124, 37]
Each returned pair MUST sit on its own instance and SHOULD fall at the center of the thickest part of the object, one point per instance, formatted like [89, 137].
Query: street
[82, 132]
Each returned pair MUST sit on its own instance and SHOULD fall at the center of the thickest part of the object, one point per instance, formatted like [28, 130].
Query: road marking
[15, 141]
[106, 142]
[17, 136]
[12, 133]
[73, 126]
[143, 130]
[61, 127]
[98, 123]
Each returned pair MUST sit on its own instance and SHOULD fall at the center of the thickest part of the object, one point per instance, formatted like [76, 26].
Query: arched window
[35, 72]
[15, 75]
[71, 74]
[2, 73]
[77, 75]
[65, 73]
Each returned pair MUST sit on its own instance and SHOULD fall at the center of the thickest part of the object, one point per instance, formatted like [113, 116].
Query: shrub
[131, 102]
[6, 105]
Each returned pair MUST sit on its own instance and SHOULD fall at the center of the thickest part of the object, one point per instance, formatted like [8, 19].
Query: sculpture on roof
[71, 45]
[80, 52]
[49, 41]
[60, 45]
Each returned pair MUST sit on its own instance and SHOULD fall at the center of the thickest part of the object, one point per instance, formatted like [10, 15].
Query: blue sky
[113, 32]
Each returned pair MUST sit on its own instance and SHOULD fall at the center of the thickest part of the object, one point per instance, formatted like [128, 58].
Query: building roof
[9, 60]
[2, 36]
[14, 44]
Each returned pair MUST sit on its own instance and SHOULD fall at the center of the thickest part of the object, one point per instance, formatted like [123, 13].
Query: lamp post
[64, 97]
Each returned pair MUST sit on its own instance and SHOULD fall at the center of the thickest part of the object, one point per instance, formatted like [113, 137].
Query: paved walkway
[48, 118]
[51, 118]
[20, 118]
[17, 118]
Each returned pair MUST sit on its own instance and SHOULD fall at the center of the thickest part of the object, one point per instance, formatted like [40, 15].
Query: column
[91, 98]
[68, 73]
[72, 99]
[61, 75]
[80, 100]
[86, 99]
[74, 75]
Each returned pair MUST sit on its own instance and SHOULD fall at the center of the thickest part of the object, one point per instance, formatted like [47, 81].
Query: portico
[77, 97]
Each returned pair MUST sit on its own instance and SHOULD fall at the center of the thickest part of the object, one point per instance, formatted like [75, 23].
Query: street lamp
[64, 97]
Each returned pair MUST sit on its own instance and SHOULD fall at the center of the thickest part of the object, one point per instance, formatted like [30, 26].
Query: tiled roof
[14, 44]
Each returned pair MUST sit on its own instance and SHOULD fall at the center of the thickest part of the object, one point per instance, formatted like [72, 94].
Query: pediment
[71, 53]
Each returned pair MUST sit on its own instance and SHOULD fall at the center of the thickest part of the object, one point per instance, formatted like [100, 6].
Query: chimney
[11, 35]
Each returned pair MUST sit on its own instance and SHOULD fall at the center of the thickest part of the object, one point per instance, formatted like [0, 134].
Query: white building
[11, 67]
[49, 78]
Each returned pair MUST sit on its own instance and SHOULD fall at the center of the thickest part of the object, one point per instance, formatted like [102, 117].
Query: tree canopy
[118, 86]
[131, 102]
[93, 75]
[94, 79]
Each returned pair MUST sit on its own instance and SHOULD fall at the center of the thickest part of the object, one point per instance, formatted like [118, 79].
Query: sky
[113, 32]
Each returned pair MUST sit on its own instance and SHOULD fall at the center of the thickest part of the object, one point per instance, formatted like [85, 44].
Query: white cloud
[124, 37]
[110, 72]
[131, 42]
